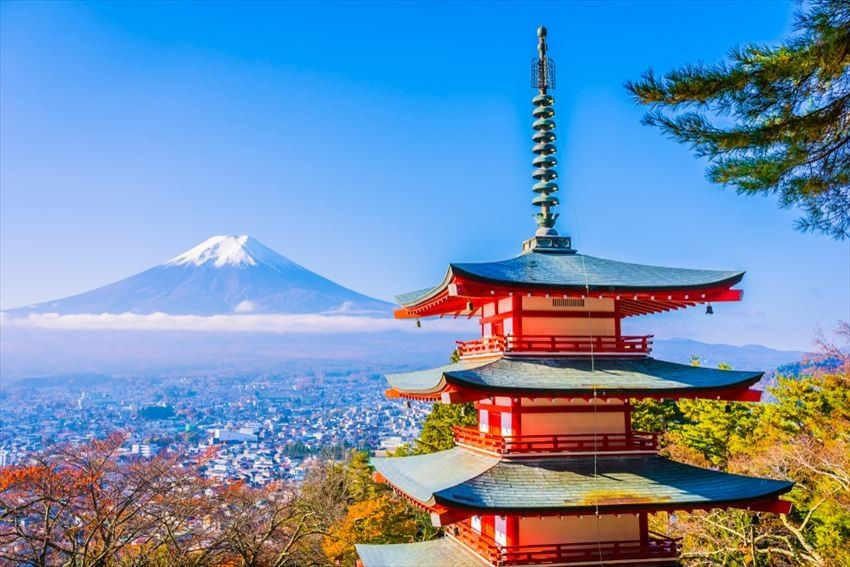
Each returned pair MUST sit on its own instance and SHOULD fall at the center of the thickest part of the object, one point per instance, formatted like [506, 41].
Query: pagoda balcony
[656, 547]
[542, 444]
[576, 345]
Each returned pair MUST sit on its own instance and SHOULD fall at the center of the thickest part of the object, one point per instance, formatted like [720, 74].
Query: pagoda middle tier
[547, 376]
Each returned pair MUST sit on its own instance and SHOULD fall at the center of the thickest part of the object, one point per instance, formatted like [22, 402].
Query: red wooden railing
[637, 344]
[513, 444]
[655, 547]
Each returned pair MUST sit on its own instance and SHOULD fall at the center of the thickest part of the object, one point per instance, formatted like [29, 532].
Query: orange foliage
[84, 506]
[377, 520]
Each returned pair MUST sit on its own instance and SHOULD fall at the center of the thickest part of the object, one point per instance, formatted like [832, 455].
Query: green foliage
[804, 437]
[358, 472]
[715, 429]
[790, 111]
[437, 427]
[819, 405]
[807, 436]
[656, 416]
[436, 432]
[403, 450]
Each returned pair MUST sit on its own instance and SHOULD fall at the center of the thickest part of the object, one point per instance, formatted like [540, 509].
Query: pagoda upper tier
[637, 289]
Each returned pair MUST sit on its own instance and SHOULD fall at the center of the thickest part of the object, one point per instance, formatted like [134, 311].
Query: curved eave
[729, 281]
[635, 378]
[608, 277]
[443, 552]
[420, 476]
[414, 298]
[429, 382]
[462, 480]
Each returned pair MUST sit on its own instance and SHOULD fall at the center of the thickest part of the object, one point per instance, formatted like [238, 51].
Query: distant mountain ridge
[222, 275]
[746, 357]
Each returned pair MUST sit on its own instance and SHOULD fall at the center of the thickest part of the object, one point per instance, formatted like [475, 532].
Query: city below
[256, 429]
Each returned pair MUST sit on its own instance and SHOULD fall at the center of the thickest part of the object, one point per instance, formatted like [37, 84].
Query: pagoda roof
[443, 552]
[461, 478]
[577, 272]
[634, 377]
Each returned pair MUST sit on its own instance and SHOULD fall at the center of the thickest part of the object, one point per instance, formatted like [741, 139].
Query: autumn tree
[771, 120]
[87, 506]
[79, 506]
[383, 519]
[804, 436]
[367, 512]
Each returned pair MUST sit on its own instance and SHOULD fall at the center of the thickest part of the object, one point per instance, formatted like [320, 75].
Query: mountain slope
[223, 275]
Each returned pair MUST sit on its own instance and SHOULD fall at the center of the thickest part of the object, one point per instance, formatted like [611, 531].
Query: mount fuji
[222, 275]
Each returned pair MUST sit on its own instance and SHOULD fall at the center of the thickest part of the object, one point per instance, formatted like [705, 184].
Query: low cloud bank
[257, 323]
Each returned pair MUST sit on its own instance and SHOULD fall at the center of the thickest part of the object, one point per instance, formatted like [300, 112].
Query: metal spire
[546, 239]
[543, 79]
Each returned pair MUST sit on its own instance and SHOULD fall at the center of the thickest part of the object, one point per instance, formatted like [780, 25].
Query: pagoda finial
[542, 70]
[543, 79]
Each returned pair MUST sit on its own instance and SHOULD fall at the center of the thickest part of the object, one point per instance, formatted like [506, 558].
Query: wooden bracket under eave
[776, 506]
[455, 395]
[749, 395]
[442, 516]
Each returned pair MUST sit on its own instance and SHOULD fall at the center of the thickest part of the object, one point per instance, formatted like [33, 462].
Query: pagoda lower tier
[465, 547]
[461, 482]
[568, 510]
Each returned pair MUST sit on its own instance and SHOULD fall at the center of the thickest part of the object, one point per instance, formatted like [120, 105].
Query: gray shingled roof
[442, 552]
[548, 375]
[576, 271]
[455, 478]
[422, 475]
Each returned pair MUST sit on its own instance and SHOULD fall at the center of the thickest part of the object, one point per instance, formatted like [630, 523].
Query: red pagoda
[554, 474]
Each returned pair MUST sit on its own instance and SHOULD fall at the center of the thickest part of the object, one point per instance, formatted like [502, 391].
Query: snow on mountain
[230, 250]
[222, 275]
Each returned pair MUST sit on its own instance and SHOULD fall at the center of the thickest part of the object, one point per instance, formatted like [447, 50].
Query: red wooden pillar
[488, 526]
[617, 319]
[516, 416]
[512, 535]
[516, 308]
[643, 523]
[627, 416]
[495, 420]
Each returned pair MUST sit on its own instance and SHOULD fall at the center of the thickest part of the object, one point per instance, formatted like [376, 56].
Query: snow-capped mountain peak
[224, 250]
[222, 275]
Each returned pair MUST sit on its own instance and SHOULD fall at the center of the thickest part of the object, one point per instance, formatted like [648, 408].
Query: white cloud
[245, 307]
[257, 323]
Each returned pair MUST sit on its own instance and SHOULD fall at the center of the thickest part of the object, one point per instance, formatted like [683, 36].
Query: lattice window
[567, 302]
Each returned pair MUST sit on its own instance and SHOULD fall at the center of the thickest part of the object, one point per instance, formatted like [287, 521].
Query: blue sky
[374, 143]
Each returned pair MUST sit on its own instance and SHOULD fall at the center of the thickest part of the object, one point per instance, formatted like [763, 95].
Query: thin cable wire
[594, 399]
